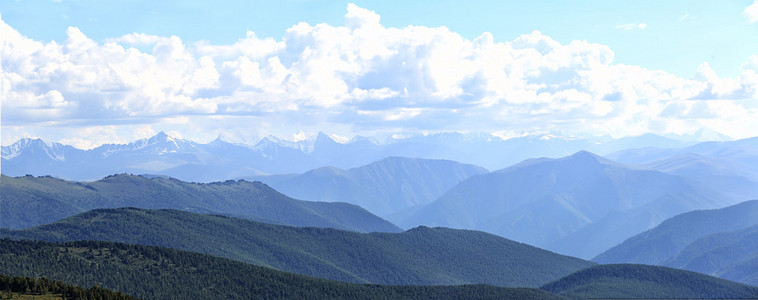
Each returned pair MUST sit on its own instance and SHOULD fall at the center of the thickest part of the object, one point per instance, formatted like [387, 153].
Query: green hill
[161, 273]
[29, 201]
[643, 281]
[421, 256]
[730, 255]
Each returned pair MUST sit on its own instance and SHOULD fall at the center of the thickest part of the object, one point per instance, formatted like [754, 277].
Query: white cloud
[360, 77]
[752, 12]
[631, 26]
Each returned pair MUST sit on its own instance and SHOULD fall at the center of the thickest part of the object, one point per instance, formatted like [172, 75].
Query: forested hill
[644, 281]
[23, 198]
[421, 256]
[18, 287]
[161, 273]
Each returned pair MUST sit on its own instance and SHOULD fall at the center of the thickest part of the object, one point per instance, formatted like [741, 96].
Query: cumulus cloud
[364, 77]
[752, 12]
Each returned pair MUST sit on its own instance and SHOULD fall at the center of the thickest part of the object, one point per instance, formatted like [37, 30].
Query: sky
[86, 73]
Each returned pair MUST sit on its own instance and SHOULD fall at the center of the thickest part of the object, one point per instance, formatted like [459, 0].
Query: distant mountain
[421, 256]
[729, 176]
[385, 187]
[220, 160]
[161, 273]
[651, 282]
[719, 242]
[29, 201]
[578, 205]
[733, 158]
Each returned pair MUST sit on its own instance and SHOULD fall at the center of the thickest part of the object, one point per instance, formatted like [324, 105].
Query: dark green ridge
[162, 273]
[30, 201]
[644, 281]
[421, 256]
[730, 255]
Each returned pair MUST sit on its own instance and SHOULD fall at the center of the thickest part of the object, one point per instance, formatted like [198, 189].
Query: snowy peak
[54, 151]
[159, 143]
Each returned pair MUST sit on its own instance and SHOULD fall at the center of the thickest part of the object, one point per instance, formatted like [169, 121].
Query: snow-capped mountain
[220, 160]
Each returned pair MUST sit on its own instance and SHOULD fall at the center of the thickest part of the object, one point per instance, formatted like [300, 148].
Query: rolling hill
[643, 281]
[29, 201]
[578, 205]
[161, 273]
[421, 256]
[730, 255]
[385, 187]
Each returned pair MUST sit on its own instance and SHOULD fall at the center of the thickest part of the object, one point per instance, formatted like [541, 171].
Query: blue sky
[610, 67]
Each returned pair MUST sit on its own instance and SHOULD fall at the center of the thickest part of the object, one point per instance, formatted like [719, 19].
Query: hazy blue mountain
[219, 160]
[730, 255]
[735, 158]
[668, 239]
[29, 201]
[541, 201]
[729, 175]
[385, 187]
[719, 242]
[627, 281]
[427, 256]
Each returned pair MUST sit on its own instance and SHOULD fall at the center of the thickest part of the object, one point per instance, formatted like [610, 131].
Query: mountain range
[159, 273]
[29, 201]
[719, 242]
[220, 160]
[421, 256]
[579, 205]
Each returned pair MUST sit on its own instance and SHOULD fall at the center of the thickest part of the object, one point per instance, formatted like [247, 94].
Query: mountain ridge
[425, 256]
[251, 200]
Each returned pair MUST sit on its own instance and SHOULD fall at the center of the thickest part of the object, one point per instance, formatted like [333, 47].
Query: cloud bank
[362, 77]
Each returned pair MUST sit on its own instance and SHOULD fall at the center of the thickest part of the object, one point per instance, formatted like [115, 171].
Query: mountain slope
[541, 201]
[642, 281]
[29, 201]
[161, 273]
[673, 235]
[427, 256]
[388, 186]
[730, 255]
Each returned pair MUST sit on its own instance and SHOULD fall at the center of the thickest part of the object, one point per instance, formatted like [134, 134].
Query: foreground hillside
[160, 273]
[643, 281]
[421, 256]
[578, 205]
[28, 201]
[18, 287]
